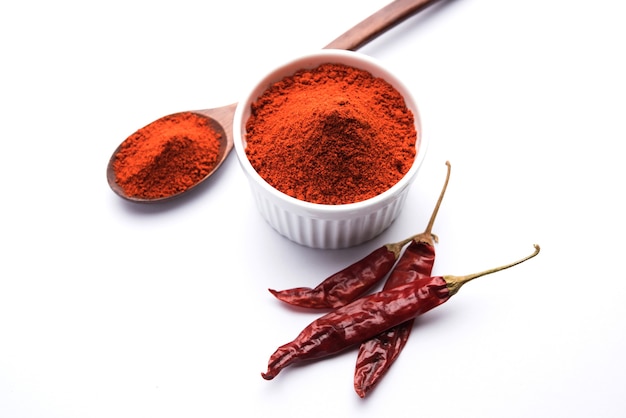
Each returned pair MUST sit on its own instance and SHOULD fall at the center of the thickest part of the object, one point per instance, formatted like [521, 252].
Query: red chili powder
[331, 135]
[167, 157]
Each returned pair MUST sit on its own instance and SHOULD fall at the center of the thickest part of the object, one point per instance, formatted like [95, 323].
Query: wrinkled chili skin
[416, 263]
[359, 321]
[344, 286]
[377, 354]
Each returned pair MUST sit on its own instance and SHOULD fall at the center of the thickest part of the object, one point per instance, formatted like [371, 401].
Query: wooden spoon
[221, 118]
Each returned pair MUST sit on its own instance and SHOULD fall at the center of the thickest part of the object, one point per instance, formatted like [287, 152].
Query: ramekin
[319, 225]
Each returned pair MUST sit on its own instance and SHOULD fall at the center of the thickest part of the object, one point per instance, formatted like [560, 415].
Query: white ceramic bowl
[318, 225]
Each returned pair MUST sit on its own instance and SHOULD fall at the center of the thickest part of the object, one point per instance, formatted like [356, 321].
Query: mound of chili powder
[331, 135]
[167, 157]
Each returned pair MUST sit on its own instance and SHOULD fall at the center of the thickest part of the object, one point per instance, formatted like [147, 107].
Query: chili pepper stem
[396, 247]
[431, 222]
[454, 283]
[427, 235]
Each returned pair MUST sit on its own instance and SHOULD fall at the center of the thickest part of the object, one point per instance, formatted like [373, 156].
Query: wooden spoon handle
[379, 22]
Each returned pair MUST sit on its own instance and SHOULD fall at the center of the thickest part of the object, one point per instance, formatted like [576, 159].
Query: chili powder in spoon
[167, 157]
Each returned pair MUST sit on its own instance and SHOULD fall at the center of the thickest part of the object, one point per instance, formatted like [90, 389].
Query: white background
[113, 309]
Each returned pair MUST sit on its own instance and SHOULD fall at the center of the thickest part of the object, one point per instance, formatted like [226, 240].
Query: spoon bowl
[221, 118]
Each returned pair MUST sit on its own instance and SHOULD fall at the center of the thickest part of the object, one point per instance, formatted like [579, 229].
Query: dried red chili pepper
[377, 354]
[348, 284]
[369, 316]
